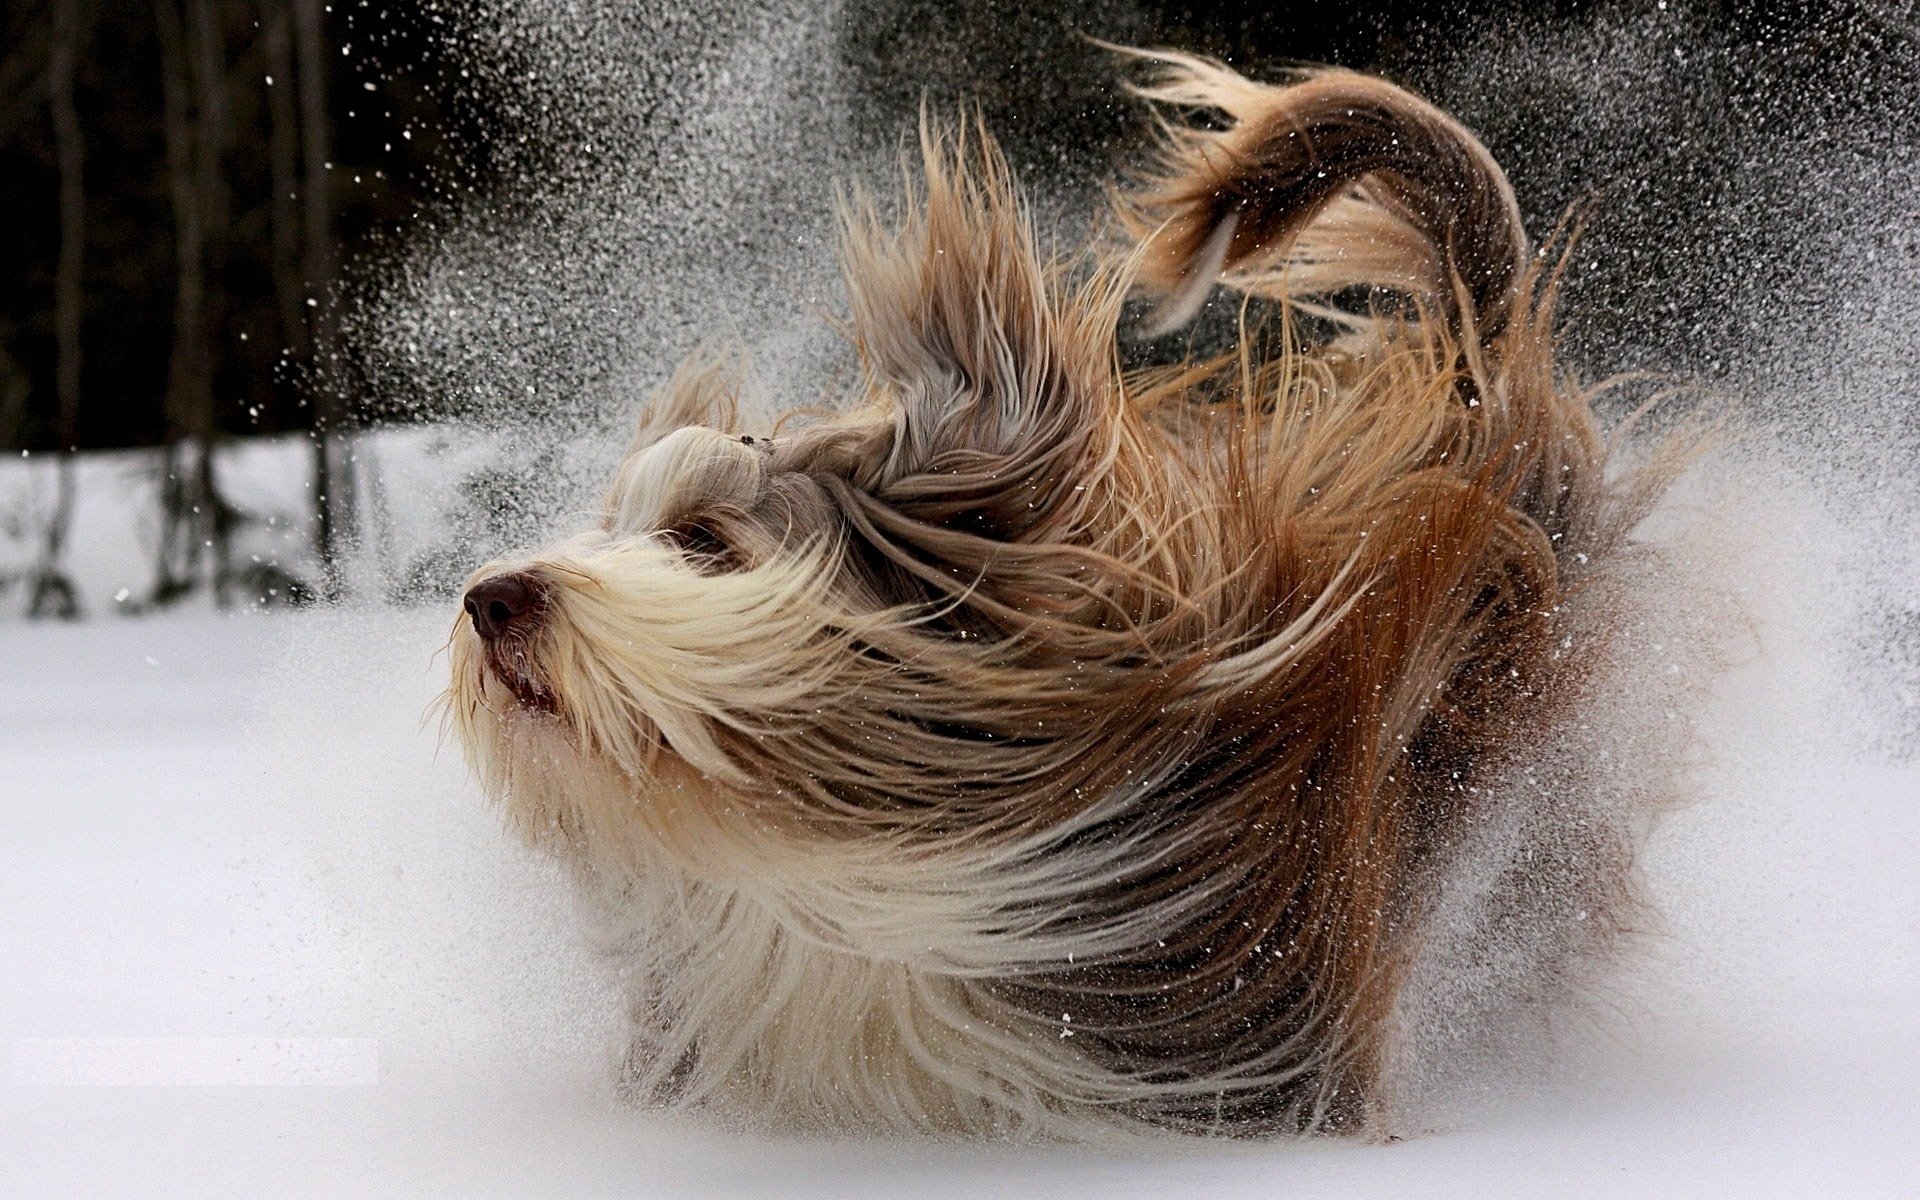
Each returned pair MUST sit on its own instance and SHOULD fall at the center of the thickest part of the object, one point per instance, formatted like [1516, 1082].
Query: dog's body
[1035, 748]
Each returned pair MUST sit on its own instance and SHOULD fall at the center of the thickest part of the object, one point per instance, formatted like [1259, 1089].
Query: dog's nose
[504, 602]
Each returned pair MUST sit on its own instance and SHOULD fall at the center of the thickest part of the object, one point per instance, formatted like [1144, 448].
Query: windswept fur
[1038, 749]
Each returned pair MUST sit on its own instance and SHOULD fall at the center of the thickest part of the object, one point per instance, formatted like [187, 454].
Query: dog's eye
[699, 542]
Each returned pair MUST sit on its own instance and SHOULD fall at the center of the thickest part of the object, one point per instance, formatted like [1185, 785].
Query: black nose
[504, 602]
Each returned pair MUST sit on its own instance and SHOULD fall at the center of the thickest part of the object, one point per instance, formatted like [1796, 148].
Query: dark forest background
[187, 185]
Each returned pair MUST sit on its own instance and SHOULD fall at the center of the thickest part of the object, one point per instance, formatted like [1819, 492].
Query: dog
[1037, 747]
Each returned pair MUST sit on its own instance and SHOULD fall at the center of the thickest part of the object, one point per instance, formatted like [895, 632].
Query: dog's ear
[704, 390]
[996, 376]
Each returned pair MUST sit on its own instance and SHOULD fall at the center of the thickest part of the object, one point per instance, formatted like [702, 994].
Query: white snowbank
[408, 479]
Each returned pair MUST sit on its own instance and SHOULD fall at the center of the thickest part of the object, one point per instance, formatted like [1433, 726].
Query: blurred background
[306, 300]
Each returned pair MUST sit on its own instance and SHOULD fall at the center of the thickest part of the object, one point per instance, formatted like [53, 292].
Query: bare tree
[196, 520]
[207, 49]
[333, 447]
[283, 166]
[186, 372]
[52, 592]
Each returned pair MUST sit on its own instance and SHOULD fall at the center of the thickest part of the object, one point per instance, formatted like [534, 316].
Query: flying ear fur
[998, 374]
[703, 390]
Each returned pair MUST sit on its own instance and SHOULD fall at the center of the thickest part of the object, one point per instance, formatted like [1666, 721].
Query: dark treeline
[189, 175]
[181, 182]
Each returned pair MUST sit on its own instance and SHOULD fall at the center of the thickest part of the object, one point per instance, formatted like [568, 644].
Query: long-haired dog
[1037, 747]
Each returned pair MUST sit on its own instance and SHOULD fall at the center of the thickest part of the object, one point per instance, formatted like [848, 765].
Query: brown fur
[1164, 690]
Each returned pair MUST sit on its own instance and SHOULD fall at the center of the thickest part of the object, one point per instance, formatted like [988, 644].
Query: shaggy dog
[1035, 747]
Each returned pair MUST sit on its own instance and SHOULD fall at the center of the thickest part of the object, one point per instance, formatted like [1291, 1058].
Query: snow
[242, 827]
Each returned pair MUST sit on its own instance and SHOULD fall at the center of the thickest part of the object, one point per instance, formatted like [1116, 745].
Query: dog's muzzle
[506, 605]
[507, 612]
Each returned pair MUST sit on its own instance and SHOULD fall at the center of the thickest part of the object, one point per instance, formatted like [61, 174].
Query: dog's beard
[628, 691]
[512, 663]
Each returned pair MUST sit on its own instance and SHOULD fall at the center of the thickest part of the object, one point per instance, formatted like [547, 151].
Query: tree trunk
[207, 55]
[333, 452]
[53, 594]
[188, 387]
[283, 162]
[196, 522]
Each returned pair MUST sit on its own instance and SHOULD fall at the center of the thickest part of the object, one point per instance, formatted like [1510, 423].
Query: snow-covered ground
[242, 828]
